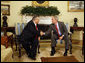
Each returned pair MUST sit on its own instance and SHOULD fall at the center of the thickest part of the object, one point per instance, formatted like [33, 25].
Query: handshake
[42, 33]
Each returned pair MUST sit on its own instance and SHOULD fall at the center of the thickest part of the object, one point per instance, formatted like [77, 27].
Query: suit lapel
[54, 27]
[59, 26]
[34, 25]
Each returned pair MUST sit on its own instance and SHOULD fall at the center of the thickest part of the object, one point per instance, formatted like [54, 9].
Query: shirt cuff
[63, 35]
[44, 33]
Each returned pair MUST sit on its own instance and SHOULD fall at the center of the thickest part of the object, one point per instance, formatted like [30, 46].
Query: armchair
[18, 30]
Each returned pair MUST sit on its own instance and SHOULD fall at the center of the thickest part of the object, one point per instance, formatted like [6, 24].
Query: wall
[66, 17]
[16, 6]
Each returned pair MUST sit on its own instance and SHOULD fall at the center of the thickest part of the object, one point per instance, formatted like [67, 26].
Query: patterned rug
[45, 52]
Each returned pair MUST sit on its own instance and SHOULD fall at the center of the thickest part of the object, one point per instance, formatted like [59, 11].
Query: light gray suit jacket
[63, 31]
[62, 28]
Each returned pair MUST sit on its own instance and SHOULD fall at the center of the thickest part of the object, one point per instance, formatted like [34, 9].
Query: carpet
[45, 52]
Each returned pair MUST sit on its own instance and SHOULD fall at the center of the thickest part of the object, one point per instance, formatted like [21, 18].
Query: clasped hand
[41, 33]
[60, 38]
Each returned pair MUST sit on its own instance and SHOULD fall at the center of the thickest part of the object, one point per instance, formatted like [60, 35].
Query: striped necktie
[57, 30]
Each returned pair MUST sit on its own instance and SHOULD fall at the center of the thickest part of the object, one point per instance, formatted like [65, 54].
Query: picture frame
[75, 6]
[5, 9]
[40, 3]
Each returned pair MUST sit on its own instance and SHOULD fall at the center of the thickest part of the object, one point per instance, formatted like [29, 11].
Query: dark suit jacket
[62, 28]
[29, 33]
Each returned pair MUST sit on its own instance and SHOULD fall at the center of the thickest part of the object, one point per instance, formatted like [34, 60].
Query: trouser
[31, 47]
[34, 46]
[27, 47]
[66, 39]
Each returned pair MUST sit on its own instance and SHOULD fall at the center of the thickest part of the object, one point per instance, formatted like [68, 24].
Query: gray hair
[34, 17]
[56, 17]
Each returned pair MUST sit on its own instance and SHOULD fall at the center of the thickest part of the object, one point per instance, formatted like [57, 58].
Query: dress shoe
[52, 53]
[38, 52]
[65, 54]
[70, 52]
[66, 51]
[29, 55]
[33, 58]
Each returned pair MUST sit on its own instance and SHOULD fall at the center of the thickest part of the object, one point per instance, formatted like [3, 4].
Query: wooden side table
[8, 29]
[9, 37]
[79, 29]
[4, 41]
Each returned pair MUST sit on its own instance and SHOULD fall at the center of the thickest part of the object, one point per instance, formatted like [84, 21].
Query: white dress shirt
[58, 29]
[35, 24]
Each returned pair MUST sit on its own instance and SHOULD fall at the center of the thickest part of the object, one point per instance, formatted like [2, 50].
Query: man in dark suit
[30, 36]
[59, 32]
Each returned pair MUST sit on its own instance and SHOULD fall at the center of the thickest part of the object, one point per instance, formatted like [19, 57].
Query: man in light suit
[60, 32]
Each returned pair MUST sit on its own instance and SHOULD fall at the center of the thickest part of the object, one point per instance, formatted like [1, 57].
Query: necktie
[36, 27]
[57, 31]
